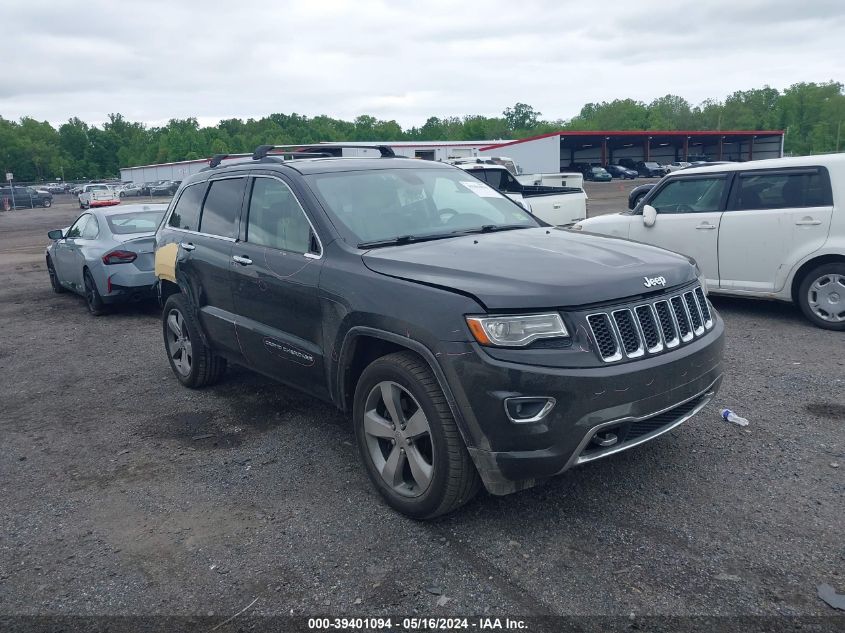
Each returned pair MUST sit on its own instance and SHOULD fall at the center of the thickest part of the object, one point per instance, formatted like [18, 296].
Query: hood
[534, 268]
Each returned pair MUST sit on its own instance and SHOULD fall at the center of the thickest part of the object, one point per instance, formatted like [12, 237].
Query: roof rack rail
[336, 149]
[217, 159]
[263, 151]
[320, 150]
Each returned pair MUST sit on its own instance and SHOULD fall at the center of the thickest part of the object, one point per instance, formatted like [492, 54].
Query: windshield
[393, 203]
[599, 170]
[140, 222]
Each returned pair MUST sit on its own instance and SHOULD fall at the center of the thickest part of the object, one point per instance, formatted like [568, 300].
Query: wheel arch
[809, 265]
[362, 345]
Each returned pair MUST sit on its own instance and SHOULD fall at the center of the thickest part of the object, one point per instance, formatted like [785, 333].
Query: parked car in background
[16, 197]
[651, 169]
[597, 174]
[560, 206]
[166, 188]
[56, 187]
[772, 229]
[97, 195]
[147, 187]
[471, 343]
[129, 191]
[106, 255]
[618, 171]
[676, 165]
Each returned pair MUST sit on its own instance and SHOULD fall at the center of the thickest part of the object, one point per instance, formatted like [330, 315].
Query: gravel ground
[125, 493]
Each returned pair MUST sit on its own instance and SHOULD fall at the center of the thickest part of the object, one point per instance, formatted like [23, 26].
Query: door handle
[704, 226]
[243, 261]
[187, 246]
[808, 222]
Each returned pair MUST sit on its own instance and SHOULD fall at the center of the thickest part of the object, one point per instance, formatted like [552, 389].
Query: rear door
[275, 271]
[774, 218]
[211, 259]
[689, 210]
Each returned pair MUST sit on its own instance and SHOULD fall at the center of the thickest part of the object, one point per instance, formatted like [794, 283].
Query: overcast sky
[155, 60]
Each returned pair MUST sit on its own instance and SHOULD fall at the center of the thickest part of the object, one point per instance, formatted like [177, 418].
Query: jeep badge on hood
[654, 281]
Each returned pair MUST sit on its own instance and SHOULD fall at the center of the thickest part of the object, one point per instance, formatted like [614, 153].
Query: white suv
[773, 229]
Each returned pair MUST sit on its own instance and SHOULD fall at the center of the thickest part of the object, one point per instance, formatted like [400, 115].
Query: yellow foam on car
[165, 265]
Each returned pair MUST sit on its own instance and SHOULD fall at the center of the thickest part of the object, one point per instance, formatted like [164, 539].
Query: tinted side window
[78, 226]
[276, 219]
[782, 190]
[186, 215]
[690, 195]
[222, 207]
[91, 229]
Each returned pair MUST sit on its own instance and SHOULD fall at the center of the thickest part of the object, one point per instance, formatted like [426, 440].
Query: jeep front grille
[606, 340]
[650, 328]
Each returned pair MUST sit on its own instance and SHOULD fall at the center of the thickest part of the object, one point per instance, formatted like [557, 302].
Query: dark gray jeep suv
[470, 342]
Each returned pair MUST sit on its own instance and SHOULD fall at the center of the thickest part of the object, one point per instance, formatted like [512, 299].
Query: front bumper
[636, 401]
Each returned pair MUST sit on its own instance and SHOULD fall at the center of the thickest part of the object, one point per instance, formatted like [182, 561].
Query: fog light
[522, 410]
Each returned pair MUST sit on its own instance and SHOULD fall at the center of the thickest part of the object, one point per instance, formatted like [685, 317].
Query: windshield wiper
[492, 228]
[404, 239]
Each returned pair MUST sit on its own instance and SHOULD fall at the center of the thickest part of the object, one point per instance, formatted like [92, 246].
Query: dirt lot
[125, 493]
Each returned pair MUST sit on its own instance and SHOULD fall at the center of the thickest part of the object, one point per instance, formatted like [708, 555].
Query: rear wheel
[821, 296]
[408, 439]
[192, 361]
[92, 296]
[54, 278]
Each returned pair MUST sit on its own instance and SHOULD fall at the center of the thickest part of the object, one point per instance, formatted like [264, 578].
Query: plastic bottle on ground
[730, 416]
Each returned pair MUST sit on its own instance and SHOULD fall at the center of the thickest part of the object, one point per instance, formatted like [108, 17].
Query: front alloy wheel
[398, 439]
[408, 440]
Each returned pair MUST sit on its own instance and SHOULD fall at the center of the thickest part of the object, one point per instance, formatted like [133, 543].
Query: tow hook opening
[606, 438]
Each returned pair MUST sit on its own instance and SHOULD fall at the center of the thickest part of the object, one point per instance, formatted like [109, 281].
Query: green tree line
[811, 113]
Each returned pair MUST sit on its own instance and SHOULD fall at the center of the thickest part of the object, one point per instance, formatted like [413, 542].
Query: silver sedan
[107, 255]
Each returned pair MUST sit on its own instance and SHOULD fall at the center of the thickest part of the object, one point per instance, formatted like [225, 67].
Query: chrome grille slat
[682, 319]
[651, 328]
[629, 334]
[695, 314]
[704, 307]
[668, 327]
[605, 337]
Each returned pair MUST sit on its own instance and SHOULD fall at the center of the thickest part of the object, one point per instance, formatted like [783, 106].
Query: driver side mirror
[649, 215]
[55, 234]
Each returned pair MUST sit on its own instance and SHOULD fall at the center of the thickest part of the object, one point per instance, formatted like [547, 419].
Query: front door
[689, 211]
[774, 219]
[66, 254]
[275, 271]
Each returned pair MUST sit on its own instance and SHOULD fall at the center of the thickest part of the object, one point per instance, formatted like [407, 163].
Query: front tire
[46, 203]
[54, 278]
[821, 296]
[408, 439]
[192, 361]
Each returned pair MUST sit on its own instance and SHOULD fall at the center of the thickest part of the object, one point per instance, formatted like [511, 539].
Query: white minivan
[773, 229]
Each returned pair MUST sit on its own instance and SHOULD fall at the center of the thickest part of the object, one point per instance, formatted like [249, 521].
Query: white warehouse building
[427, 150]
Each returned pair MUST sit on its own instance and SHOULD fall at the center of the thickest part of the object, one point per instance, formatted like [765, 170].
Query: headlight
[516, 331]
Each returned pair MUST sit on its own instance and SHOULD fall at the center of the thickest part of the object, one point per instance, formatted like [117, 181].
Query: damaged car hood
[535, 268]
